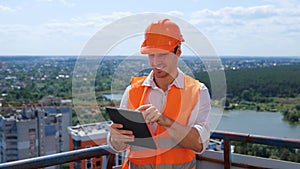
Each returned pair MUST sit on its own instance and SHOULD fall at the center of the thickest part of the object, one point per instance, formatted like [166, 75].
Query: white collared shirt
[157, 97]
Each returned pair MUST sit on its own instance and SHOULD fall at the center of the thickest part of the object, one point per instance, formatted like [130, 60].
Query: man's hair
[176, 48]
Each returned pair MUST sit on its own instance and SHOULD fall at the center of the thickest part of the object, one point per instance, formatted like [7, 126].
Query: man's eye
[163, 54]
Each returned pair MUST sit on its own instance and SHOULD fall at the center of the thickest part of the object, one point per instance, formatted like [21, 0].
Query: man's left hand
[153, 115]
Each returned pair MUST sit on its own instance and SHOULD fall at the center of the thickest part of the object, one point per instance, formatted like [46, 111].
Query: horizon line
[56, 55]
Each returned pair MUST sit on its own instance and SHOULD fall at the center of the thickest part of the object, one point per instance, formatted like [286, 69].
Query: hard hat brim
[153, 48]
[147, 50]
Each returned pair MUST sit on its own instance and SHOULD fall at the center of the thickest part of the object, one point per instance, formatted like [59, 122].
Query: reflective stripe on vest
[188, 165]
[178, 107]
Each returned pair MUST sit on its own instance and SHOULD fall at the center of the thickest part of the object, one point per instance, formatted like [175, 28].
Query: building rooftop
[90, 131]
[209, 159]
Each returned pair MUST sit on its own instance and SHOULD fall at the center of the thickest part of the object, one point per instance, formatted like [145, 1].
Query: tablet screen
[134, 121]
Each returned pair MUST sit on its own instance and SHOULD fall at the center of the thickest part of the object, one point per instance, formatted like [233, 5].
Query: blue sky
[234, 27]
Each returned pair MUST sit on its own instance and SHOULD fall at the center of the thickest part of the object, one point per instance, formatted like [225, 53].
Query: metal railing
[232, 136]
[70, 156]
[61, 158]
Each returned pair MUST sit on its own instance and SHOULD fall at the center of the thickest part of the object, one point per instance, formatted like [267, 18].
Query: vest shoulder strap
[136, 93]
[139, 79]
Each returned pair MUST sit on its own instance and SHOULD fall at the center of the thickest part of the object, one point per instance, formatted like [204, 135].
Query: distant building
[85, 136]
[30, 133]
[52, 106]
[215, 145]
[35, 130]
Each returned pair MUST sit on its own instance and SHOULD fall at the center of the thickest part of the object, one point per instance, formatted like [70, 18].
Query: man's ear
[178, 52]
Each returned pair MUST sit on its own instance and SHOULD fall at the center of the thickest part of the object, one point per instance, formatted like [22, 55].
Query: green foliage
[75, 120]
[256, 88]
[282, 153]
[65, 166]
[255, 83]
[297, 107]
[259, 88]
[292, 115]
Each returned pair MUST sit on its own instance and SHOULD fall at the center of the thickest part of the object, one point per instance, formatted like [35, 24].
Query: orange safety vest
[179, 105]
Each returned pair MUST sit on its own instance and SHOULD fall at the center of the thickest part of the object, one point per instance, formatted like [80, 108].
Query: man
[175, 106]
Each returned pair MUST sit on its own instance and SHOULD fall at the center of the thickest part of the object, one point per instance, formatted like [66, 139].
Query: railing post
[110, 161]
[58, 158]
[227, 154]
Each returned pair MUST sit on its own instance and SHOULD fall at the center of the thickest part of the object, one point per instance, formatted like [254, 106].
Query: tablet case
[134, 121]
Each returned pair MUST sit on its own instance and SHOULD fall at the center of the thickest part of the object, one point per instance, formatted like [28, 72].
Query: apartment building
[52, 106]
[35, 130]
[85, 136]
[29, 133]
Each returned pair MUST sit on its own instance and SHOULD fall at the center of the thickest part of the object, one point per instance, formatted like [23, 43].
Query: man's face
[163, 64]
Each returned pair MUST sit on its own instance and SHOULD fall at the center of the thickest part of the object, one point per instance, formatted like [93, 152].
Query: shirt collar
[178, 82]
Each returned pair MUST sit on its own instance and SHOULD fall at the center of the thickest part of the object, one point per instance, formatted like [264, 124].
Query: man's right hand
[118, 136]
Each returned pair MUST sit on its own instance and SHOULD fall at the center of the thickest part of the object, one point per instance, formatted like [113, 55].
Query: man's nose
[156, 59]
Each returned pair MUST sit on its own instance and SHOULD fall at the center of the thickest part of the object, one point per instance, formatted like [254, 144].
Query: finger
[119, 138]
[116, 131]
[126, 132]
[155, 117]
[144, 107]
[150, 113]
[124, 139]
[149, 110]
[116, 126]
[122, 135]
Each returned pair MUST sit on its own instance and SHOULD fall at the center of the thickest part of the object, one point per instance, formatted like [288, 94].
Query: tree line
[263, 89]
[247, 88]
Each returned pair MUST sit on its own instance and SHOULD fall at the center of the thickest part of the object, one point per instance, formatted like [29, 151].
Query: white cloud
[266, 29]
[6, 9]
[67, 3]
[234, 30]
[284, 3]
[110, 17]
[175, 13]
[29, 39]
[56, 36]
[256, 18]
[91, 21]
[45, 0]
[67, 25]
[233, 15]
[14, 30]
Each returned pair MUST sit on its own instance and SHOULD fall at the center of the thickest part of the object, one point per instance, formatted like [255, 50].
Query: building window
[11, 137]
[98, 163]
[89, 163]
[77, 165]
[76, 144]
[32, 140]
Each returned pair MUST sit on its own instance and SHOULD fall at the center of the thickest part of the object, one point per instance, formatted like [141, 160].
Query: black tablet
[134, 121]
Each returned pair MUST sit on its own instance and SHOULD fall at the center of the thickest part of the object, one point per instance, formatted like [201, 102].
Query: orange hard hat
[161, 36]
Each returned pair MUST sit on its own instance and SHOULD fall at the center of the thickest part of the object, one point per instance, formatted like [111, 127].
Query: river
[259, 123]
[249, 121]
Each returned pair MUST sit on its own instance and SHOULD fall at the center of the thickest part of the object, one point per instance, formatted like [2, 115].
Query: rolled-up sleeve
[123, 104]
[200, 117]
[124, 101]
[108, 139]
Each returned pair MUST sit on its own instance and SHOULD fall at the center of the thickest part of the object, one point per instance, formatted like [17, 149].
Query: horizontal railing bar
[76, 155]
[199, 157]
[266, 140]
[58, 158]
